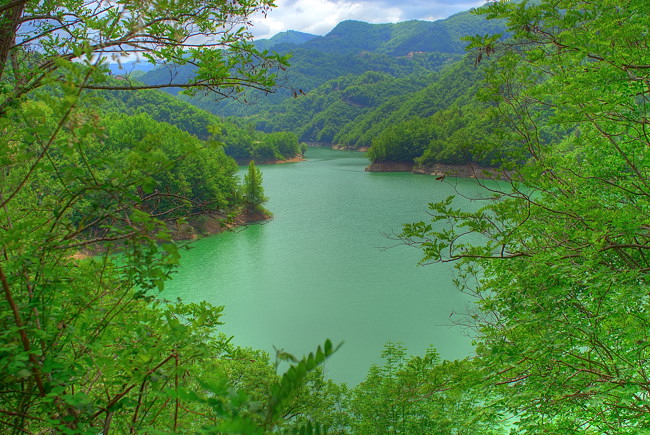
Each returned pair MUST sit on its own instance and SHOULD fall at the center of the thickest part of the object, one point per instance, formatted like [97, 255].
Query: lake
[326, 267]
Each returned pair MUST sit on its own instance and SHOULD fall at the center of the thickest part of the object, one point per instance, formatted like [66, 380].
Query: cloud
[321, 16]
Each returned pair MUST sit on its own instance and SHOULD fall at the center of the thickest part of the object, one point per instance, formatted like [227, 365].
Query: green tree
[559, 259]
[253, 190]
[42, 40]
[87, 345]
[286, 144]
[420, 394]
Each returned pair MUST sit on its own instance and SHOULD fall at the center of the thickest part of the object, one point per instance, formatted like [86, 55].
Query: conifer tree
[253, 191]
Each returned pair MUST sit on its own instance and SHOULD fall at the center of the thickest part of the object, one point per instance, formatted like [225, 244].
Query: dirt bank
[469, 170]
[245, 162]
[206, 225]
[390, 167]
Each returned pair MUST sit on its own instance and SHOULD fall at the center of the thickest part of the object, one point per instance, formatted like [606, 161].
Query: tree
[42, 41]
[558, 260]
[420, 394]
[253, 190]
[87, 344]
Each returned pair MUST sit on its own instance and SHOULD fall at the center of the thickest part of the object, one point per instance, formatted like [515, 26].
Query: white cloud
[321, 16]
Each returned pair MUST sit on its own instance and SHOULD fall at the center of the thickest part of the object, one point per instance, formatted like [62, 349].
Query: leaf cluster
[558, 260]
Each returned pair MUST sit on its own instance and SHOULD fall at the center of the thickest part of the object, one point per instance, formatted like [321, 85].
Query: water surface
[325, 268]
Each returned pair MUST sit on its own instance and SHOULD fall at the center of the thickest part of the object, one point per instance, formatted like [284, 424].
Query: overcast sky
[321, 16]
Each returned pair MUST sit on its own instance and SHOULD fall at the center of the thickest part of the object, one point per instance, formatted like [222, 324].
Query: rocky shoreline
[207, 225]
[245, 162]
[196, 227]
[468, 170]
[390, 167]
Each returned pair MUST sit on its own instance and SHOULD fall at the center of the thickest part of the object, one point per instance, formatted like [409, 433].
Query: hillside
[239, 142]
[367, 86]
[411, 49]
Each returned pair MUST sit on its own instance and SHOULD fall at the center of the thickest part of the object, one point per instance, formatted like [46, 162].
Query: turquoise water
[325, 267]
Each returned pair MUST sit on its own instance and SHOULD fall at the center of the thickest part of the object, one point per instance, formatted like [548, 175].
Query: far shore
[468, 170]
[295, 159]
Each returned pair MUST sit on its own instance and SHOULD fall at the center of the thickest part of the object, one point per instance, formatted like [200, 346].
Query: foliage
[236, 412]
[198, 171]
[455, 85]
[244, 143]
[420, 395]
[558, 261]
[160, 106]
[253, 190]
[68, 35]
[87, 345]
[285, 143]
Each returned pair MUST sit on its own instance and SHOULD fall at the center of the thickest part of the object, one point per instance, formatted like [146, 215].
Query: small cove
[325, 268]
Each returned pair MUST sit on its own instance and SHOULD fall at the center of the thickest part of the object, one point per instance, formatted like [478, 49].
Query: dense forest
[357, 85]
[240, 140]
[100, 169]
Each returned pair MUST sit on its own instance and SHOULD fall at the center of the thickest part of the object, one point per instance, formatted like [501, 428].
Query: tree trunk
[9, 22]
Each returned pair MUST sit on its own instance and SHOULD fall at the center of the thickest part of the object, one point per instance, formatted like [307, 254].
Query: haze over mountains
[360, 82]
[354, 47]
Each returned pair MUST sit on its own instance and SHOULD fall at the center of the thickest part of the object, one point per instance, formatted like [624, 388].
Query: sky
[320, 16]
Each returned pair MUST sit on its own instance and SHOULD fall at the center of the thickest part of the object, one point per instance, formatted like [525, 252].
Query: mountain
[374, 86]
[413, 48]
[400, 39]
[130, 67]
[283, 39]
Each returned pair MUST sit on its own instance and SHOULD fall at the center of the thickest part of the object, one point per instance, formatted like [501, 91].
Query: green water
[324, 267]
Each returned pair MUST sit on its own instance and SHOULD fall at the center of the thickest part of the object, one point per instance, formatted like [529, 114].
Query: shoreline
[295, 159]
[468, 170]
[198, 227]
[205, 225]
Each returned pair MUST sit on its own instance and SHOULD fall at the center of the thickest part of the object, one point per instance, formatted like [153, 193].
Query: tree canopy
[558, 260]
[41, 40]
[89, 202]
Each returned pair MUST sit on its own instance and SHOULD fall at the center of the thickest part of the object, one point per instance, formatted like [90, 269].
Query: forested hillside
[98, 171]
[347, 87]
[241, 142]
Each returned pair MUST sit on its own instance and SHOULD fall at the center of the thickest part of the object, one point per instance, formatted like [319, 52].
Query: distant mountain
[130, 67]
[400, 39]
[354, 47]
[284, 39]
[361, 82]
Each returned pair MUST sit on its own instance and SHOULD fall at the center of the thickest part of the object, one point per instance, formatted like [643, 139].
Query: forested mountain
[288, 38]
[400, 39]
[348, 87]
[408, 49]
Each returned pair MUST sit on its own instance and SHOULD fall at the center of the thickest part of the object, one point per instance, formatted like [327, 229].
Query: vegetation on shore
[89, 345]
[557, 260]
